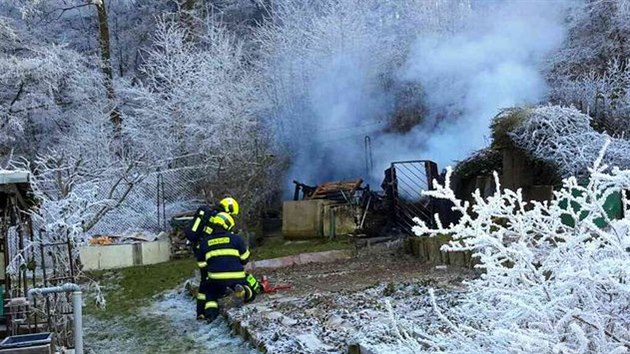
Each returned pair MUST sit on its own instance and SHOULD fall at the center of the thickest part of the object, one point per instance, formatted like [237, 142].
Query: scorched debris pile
[389, 211]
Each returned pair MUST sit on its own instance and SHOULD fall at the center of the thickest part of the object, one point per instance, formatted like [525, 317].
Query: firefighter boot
[233, 298]
[239, 291]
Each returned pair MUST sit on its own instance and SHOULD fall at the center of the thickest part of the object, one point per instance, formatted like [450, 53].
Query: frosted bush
[564, 136]
[547, 287]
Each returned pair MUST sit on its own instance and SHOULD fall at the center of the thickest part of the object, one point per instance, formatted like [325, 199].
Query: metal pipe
[369, 162]
[367, 208]
[76, 304]
[78, 322]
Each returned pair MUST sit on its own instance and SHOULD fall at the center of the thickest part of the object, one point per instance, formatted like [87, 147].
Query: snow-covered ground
[328, 307]
[379, 318]
[180, 309]
[167, 325]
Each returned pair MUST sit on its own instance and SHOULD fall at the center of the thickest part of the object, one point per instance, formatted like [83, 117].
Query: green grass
[128, 289]
[133, 287]
[278, 247]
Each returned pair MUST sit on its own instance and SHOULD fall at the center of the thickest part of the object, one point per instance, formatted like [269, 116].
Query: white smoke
[343, 111]
[335, 80]
[468, 77]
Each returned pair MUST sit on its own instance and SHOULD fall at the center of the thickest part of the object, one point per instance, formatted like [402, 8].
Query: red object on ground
[267, 288]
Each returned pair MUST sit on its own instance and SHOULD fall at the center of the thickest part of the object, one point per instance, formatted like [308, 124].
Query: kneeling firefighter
[199, 229]
[199, 225]
[224, 257]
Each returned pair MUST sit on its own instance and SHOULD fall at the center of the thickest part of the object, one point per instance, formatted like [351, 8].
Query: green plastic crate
[613, 207]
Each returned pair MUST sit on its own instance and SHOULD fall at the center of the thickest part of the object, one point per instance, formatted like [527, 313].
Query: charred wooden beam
[307, 190]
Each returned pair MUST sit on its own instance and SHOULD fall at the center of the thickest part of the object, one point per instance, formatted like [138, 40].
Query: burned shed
[348, 207]
[340, 191]
[324, 210]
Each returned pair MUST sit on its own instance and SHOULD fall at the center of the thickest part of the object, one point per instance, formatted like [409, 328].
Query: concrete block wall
[302, 219]
[428, 250]
[344, 219]
[310, 219]
[126, 255]
[155, 252]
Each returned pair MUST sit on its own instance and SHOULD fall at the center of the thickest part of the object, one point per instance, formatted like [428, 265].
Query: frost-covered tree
[591, 71]
[49, 12]
[199, 102]
[605, 95]
[598, 32]
[44, 90]
[56, 100]
[55, 116]
[196, 97]
[548, 285]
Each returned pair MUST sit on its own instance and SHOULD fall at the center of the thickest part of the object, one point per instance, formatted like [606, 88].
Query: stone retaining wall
[428, 250]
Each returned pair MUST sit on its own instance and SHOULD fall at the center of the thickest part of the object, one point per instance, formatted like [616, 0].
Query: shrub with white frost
[564, 137]
[547, 287]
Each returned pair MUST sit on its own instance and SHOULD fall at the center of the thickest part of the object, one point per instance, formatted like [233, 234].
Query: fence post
[157, 193]
[163, 202]
[159, 181]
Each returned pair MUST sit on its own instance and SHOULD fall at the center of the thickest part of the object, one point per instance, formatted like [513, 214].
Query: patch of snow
[311, 343]
[179, 308]
[168, 325]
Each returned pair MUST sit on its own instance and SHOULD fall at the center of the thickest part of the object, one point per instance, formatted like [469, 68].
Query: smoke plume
[468, 77]
[467, 60]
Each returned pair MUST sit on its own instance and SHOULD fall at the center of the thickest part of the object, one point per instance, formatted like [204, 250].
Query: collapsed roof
[341, 191]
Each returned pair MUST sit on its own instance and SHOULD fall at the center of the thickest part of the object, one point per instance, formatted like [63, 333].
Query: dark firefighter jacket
[225, 255]
[195, 231]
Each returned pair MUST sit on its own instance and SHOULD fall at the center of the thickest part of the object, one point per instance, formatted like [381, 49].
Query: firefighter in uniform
[199, 228]
[225, 255]
[203, 215]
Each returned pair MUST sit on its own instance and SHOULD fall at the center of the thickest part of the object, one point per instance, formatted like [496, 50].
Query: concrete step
[303, 258]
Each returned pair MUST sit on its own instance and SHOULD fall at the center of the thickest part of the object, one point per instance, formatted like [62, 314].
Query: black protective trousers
[210, 291]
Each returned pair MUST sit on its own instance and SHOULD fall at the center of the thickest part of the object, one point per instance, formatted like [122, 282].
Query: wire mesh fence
[155, 200]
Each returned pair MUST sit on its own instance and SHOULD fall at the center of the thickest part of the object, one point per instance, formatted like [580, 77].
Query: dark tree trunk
[187, 18]
[106, 62]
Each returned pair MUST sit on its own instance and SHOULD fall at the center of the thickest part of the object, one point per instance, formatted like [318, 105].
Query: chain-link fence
[186, 183]
[155, 200]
